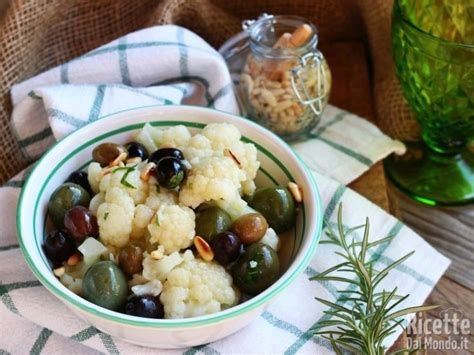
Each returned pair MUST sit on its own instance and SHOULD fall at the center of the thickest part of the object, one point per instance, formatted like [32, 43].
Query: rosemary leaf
[362, 317]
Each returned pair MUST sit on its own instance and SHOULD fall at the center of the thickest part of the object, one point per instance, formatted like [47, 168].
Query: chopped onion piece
[92, 250]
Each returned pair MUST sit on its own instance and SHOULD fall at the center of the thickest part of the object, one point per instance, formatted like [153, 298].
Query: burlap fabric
[39, 34]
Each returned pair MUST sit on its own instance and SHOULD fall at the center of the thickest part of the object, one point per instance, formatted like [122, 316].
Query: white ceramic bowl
[279, 165]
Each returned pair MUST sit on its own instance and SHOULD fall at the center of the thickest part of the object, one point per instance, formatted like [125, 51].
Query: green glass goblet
[433, 50]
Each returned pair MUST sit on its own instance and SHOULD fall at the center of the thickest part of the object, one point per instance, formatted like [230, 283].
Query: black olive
[136, 150]
[165, 153]
[80, 178]
[226, 247]
[145, 306]
[170, 172]
[58, 247]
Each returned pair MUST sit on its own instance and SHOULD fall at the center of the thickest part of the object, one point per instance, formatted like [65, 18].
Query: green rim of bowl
[249, 305]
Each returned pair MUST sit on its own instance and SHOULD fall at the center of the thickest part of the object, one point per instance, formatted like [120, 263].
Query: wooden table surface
[451, 231]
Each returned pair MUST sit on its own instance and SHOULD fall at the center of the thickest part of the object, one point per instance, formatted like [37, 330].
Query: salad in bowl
[182, 219]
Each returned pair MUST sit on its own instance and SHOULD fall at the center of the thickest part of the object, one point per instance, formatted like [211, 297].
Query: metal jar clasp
[307, 61]
[246, 24]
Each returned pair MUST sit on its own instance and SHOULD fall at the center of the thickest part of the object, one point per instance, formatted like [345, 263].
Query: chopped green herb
[106, 215]
[128, 170]
[157, 220]
[176, 180]
[120, 168]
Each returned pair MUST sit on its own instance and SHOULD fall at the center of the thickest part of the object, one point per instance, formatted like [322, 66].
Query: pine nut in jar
[285, 81]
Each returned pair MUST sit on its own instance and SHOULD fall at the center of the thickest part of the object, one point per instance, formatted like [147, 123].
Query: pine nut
[268, 97]
[296, 192]
[247, 82]
[282, 106]
[74, 259]
[203, 249]
[300, 36]
[122, 156]
[59, 271]
[134, 160]
[147, 171]
[158, 253]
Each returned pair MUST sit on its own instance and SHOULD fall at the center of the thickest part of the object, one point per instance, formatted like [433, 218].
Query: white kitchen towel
[181, 67]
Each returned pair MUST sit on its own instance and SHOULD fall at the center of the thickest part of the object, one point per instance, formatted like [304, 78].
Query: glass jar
[285, 81]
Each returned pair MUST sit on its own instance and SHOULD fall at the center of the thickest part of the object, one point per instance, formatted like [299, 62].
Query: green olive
[256, 269]
[105, 285]
[277, 206]
[106, 153]
[250, 228]
[64, 198]
[130, 259]
[212, 221]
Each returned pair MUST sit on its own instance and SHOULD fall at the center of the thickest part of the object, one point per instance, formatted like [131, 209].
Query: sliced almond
[59, 271]
[203, 249]
[122, 157]
[296, 192]
[228, 153]
[74, 259]
[147, 171]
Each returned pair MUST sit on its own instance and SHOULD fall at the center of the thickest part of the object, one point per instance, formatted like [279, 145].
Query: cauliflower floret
[177, 136]
[246, 153]
[137, 279]
[221, 135]
[159, 269]
[131, 183]
[235, 208]
[115, 217]
[72, 277]
[196, 288]
[199, 147]
[173, 227]
[94, 176]
[226, 136]
[72, 283]
[96, 201]
[143, 215]
[271, 239]
[211, 178]
[153, 287]
[163, 198]
[145, 137]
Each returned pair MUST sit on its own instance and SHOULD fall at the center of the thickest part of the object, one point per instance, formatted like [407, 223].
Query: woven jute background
[36, 35]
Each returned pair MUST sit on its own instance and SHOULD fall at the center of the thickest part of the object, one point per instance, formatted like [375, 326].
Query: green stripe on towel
[65, 117]
[40, 341]
[123, 62]
[85, 334]
[35, 138]
[183, 53]
[97, 104]
[357, 156]
[8, 302]
[9, 247]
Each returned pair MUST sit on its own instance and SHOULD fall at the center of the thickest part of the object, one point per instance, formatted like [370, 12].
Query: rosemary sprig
[361, 318]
